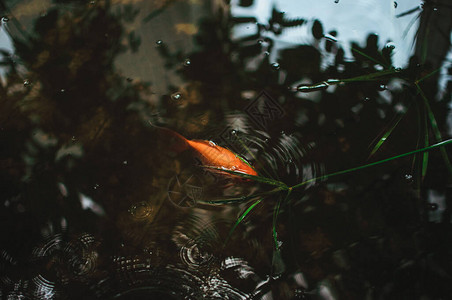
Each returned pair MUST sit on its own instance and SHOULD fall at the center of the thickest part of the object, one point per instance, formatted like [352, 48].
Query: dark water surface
[97, 203]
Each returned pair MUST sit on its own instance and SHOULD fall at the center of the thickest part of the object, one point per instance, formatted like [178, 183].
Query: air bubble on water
[96, 186]
[282, 132]
[408, 176]
[432, 206]
[73, 138]
[395, 4]
[266, 53]
[63, 189]
[62, 90]
[234, 132]
[26, 82]
[187, 62]
[159, 42]
[266, 140]
[379, 67]
[275, 66]
[260, 41]
[390, 45]
[176, 96]
[212, 143]
[382, 87]
[125, 162]
[5, 19]
[366, 98]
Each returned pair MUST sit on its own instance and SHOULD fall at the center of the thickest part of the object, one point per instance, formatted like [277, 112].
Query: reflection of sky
[5, 44]
[353, 20]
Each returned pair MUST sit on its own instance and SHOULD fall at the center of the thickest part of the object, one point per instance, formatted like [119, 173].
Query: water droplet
[432, 206]
[366, 98]
[266, 140]
[159, 42]
[140, 210]
[26, 82]
[331, 38]
[390, 46]
[176, 96]
[187, 62]
[398, 69]
[382, 87]
[5, 19]
[73, 138]
[395, 4]
[275, 66]
[233, 132]
[266, 53]
[212, 143]
[96, 186]
[125, 162]
[260, 41]
[62, 90]
[282, 132]
[379, 67]
[408, 177]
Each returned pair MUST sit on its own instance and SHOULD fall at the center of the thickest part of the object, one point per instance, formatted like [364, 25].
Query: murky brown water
[97, 203]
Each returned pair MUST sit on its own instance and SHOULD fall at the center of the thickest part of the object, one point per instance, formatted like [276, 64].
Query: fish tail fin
[176, 142]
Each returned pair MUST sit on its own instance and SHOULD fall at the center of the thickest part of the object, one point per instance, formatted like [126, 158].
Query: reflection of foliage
[72, 129]
[377, 211]
[68, 119]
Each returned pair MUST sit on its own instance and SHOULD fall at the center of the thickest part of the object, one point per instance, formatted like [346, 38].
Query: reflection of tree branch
[158, 11]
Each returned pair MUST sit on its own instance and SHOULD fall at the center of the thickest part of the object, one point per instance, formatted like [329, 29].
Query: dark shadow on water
[96, 205]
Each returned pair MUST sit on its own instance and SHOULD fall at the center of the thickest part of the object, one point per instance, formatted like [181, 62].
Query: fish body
[210, 154]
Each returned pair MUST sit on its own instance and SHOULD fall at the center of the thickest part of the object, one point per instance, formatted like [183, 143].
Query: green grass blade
[440, 144]
[253, 156]
[386, 135]
[325, 84]
[435, 128]
[242, 216]
[425, 155]
[252, 177]
[427, 76]
[369, 57]
[275, 219]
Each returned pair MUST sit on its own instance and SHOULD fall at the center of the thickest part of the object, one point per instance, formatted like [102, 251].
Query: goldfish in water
[215, 157]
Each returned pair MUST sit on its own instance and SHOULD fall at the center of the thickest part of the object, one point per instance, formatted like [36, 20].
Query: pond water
[247, 149]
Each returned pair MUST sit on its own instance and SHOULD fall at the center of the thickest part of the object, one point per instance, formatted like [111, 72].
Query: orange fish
[210, 154]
